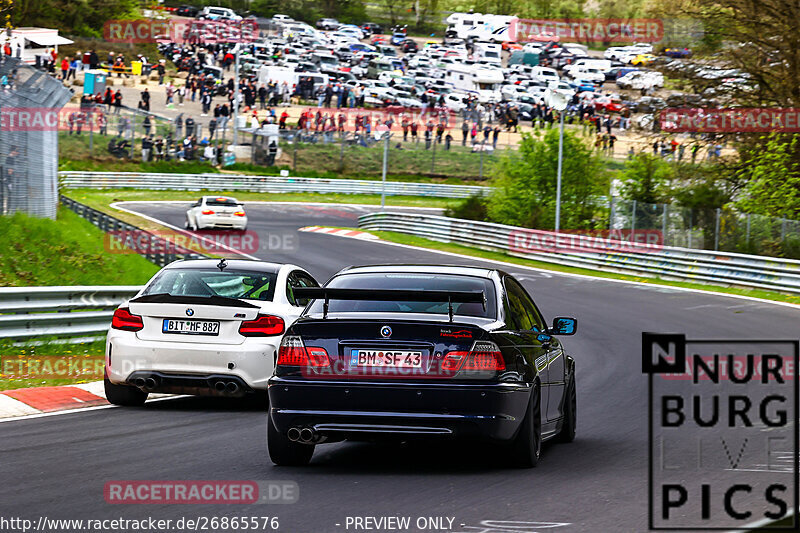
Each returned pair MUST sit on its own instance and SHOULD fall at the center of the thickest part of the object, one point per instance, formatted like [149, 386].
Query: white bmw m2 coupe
[203, 327]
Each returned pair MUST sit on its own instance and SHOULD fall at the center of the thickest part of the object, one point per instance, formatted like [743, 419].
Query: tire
[567, 433]
[124, 394]
[526, 447]
[284, 452]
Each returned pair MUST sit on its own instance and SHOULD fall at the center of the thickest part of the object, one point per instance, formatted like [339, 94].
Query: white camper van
[481, 27]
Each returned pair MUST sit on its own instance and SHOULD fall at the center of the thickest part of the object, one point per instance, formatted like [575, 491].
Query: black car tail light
[124, 320]
[293, 352]
[484, 356]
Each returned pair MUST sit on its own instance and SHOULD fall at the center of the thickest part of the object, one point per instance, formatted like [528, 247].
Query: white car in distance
[216, 212]
[204, 327]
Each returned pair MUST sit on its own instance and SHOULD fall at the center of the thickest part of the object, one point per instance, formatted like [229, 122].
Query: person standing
[146, 125]
[64, 68]
[146, 99]
[189, 126]
[117, 101]
[161, 71]
[495, 136]
[464, 133]
[206, 101]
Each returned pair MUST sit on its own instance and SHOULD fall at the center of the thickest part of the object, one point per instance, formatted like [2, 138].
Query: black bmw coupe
[405, 351]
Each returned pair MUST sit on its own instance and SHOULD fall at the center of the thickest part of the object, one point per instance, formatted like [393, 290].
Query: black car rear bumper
[352, 409]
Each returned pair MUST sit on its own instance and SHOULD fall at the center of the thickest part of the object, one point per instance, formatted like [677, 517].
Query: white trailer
[481, 27]
[474, 79]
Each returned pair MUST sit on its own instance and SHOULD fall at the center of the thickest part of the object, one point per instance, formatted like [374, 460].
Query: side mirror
[563, 325]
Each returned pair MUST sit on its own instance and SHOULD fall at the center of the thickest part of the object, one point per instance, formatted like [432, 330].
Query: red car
[608, 104]
[511, 46]
[379, 39]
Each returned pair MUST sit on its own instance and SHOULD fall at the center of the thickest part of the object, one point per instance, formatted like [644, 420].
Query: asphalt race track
[57, 466]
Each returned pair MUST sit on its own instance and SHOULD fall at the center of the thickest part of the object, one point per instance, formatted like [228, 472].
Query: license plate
[191, 327]
[386, 358]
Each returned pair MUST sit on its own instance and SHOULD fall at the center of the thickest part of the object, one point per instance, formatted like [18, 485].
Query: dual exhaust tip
[304, 435]
[146, 383]
[229, 387]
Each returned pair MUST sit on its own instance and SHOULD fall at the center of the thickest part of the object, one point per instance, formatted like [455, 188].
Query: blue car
[583, 86]
[398, 38]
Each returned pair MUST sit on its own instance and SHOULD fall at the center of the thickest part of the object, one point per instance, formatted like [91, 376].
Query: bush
[472, 208]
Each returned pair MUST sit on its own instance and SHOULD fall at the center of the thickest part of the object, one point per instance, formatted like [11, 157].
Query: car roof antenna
[222, 264]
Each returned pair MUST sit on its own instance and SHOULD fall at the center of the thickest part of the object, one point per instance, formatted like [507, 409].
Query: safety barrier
[28, 312]
[648, 260]
[267, 184]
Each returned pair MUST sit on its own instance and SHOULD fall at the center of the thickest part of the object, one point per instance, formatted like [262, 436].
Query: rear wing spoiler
[390, 295]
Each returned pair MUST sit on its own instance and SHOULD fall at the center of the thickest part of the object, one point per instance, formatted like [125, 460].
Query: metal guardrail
[28, 312]
[682, 264]
[107, 223]
[273, 184]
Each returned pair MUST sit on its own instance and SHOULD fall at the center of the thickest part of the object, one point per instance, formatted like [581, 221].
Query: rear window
[230, 202]
[410, 281]
[242, 284]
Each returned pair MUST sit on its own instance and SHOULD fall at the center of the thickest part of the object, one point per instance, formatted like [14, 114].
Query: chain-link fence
[29, 104]
[719, 229]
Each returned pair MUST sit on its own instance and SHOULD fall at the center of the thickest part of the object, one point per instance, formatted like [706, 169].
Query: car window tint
[298, 279]
[411, 281]
[207, 283]
[531, 310]
[520, 305]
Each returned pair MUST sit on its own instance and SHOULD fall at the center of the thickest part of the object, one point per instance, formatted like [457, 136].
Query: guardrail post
[664, 225]
[748, 228]
[611, 213]
[433, 157]
[716, 231]
[633, 218]
[783, 229]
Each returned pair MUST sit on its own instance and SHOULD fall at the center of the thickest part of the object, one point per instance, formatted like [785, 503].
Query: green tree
[646, 178]
[526, 183]
[774, 185]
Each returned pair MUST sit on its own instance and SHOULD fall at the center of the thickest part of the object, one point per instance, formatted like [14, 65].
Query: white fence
[671, 263]
[269, 184]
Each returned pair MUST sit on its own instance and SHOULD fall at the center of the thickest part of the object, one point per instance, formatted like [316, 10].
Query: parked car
[187, 11]
[327, 24]
[409, 46]
[370, 28]
[677, 52]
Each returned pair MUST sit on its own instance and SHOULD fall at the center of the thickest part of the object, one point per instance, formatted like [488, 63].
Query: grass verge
[65, 251]
[412, 240]
[50, 364]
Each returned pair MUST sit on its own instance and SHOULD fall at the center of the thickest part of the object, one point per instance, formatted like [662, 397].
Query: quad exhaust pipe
[305, 435]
